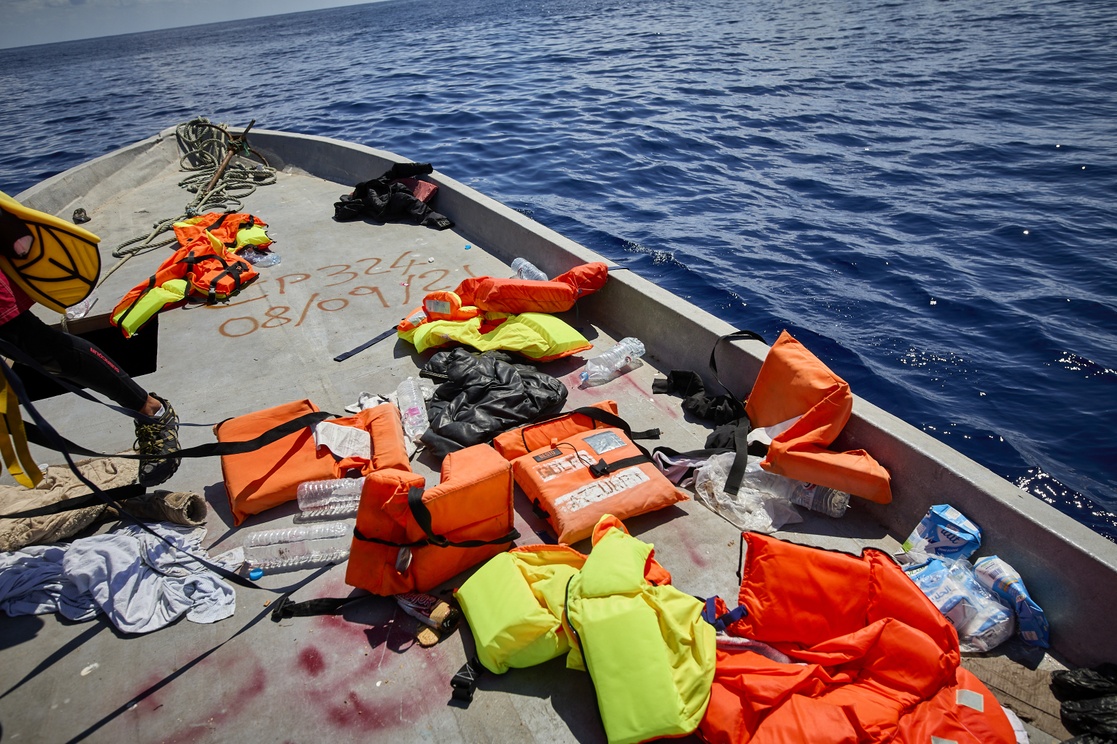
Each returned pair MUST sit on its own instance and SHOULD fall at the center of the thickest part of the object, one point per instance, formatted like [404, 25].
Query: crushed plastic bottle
[412, 407]
[819, 499]
[80, 310]
[260, 259]
[605, 367]
[526, 270]
[332, 497]
[291, 548]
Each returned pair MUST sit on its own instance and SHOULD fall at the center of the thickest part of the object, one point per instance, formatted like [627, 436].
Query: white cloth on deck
[138, 580]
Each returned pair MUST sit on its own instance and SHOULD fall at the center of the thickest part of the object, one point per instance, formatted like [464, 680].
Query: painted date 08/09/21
[336, 275]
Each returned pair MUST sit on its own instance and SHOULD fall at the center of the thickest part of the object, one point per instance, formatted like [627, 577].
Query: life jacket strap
[737, 470]
[602, 468]
[284, 608]
[465, 680]
[738, 334]
[721, 622]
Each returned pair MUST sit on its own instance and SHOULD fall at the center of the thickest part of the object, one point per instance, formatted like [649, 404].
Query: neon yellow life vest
[514, 603]
[650, 653]
[538, 336]
[151, 302]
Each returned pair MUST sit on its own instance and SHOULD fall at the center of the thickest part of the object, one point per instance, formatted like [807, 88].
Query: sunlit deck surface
[357, 676]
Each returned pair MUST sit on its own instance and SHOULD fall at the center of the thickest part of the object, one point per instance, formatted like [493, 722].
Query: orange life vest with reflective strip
[589, 474]
[873, 659]
[206, 259]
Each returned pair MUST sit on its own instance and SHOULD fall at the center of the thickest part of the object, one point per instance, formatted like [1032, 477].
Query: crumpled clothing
[721, 409]
[59, 484]
[483, 396]
[140, 581]
[391, 197]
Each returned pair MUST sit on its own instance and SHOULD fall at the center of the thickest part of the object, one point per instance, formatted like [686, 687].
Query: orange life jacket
[206, 259]
[228, 228]
[522, 296]
[270, 476]
[792, 383]
[516, 442]
[875, 660]
[588, 474]
[410, 540]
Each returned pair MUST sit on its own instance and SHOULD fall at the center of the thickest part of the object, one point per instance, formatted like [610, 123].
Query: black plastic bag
[1096, 716]
[483, 396]
[1081, 684]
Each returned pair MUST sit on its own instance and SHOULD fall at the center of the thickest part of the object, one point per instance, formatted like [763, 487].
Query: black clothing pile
[390, 198]
[484, 395]
[721, 409]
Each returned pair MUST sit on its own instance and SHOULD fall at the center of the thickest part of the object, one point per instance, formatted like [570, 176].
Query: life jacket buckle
[600, 468]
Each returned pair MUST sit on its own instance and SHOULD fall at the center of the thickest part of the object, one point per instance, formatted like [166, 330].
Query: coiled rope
[220, 176]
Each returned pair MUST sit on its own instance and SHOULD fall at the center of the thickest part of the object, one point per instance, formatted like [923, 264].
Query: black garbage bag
[484, 395]
[1081, 684]
[1095, 716]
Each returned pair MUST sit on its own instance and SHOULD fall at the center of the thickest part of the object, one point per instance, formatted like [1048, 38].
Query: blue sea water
[923, 192]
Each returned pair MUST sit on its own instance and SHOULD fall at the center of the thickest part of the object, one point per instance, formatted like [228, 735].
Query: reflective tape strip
[970, 699]
[937, 740]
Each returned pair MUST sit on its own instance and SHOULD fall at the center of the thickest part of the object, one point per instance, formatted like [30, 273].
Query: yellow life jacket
[538, 336]
[513, 605]
[650, 653]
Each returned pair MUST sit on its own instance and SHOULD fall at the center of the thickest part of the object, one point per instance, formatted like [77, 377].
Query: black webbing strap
[598, 415]
[465, 681]
[110, 495]
[739, 334]
[367, 344]
[602, 468]
[422, 516]
[209, 449]
[285, 608]
[737, 470]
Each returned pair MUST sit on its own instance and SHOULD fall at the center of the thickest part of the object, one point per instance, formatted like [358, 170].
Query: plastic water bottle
[333, 497]
[820, 499]
[261, 259]
[80, 310]
[607, 366]
[409, 396]
[526, 270]
[292, 548]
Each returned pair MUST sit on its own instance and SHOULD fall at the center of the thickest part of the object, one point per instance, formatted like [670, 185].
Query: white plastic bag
[753, 509]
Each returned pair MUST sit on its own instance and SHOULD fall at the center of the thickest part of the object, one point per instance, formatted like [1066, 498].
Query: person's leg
[82, 363]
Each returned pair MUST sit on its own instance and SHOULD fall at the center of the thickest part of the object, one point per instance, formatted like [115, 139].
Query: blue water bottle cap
[256, 573]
